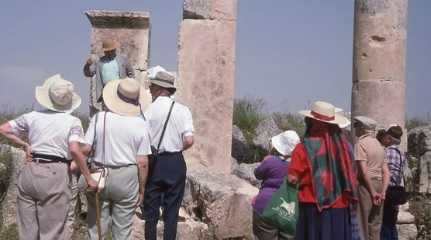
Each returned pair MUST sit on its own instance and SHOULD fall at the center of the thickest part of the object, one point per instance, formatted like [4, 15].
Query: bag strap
[164, 127]
[93, 145]
[104, 134]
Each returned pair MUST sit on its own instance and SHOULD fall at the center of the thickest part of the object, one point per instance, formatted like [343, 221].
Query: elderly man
[48, 136]
[109, 67]
[373, 177]
[171, 129]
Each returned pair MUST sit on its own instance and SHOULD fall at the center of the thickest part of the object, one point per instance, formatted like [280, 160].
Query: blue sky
[289, 53]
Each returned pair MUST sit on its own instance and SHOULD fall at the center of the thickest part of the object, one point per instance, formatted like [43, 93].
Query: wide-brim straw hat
[58, 95]
[285, 142]
[123, 96]
[325, 112]
[341, 111]
[160, 77]
[109, 45]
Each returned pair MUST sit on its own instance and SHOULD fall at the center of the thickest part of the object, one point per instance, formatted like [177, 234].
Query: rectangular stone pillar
[131, 30]
[206, 72]
[379, 61]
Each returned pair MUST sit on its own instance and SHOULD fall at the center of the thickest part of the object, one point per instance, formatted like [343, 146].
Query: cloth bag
[282, 210]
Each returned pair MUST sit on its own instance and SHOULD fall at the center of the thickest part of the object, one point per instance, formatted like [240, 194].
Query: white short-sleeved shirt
[49, 132]
[179, 126]
[125, 139]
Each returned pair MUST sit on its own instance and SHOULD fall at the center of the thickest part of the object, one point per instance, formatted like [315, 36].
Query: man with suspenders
[171, 131]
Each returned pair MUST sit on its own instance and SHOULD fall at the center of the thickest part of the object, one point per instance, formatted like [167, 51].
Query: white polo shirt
[179, 126]
[125, 139]
[49, 132]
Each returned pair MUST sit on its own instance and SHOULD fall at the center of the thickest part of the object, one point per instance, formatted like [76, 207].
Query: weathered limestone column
[379, 60]
[206, 70]
[131, 30]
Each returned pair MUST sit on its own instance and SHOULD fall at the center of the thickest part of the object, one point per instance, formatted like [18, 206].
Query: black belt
[46, 158]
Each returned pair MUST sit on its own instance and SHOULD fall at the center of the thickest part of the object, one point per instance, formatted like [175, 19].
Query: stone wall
[206, 71]
[132, 31]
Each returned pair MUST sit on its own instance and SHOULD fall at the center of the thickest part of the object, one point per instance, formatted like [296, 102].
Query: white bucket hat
[325, 112]
[285, 142]
[122, 96]
[160, 77]
[58, 95]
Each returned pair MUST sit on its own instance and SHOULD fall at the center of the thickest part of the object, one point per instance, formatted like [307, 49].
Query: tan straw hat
[325, 112]
[58, 95]
[109, 45]
[285, 142]
[122, 96]
[160, 77]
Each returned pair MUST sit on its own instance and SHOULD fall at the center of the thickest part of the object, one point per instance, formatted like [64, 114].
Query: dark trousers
[265, 231]
[390, 217]
[164, 188]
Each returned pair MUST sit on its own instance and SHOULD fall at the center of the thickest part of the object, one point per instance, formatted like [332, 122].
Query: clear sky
[289, 53]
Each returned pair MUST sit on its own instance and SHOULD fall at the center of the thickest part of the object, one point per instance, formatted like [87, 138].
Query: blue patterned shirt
[396, 164]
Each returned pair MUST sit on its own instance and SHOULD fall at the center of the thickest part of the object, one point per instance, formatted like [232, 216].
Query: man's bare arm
[142, 176]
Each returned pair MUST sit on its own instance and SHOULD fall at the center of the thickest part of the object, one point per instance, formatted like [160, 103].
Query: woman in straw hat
[43, 183]
[121, 145]
[322, 165]
[272, 172]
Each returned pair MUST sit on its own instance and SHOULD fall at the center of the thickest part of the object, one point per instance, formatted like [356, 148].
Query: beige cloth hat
[109, 45]
[122, 96]
[58, 95]
[325, 112]
[160, 77]
[285, 142]
[367, 123]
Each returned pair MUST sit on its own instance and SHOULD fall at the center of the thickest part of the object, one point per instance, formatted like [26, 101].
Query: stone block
[405, 218]
[407, 232]
[206, 82]
[210, 9]
[223, 202]
[131, 30]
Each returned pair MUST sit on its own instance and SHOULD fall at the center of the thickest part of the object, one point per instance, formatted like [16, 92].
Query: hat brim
[116, 105]
[162, 84]
[339, 119]
[275, 141]
[42, 97]
[109, 49]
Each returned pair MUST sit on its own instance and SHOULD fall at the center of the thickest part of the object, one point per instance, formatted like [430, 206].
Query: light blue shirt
[110, 71]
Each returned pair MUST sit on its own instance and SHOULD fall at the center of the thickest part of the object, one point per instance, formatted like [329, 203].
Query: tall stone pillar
[206, 71]
[131, 30]
[379, 60]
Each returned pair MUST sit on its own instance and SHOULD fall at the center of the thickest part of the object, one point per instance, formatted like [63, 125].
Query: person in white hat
[43, 183]
[171, 128]
[373, 177]
[323, 167]
[272, 172]
[121, 141]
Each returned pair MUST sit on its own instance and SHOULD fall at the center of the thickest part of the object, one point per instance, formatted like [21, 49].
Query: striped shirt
[396, 164]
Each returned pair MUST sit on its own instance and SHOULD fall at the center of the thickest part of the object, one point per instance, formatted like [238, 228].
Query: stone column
[379, 60]
[206, 71]
[131, 30]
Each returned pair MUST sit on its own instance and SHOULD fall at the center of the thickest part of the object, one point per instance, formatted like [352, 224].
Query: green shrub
[417, 122]
[247, 113]
[10, 233]
[290, 121]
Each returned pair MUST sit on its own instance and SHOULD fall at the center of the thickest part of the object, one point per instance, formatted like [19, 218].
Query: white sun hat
[159, 76]
[122, 96]
[285, 142]
[341, 111]
[325, 112]
[57, 94]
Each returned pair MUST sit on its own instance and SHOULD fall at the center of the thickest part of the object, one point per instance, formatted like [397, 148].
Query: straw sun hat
[109, 45]
[325, 112]
[285, 142]
[58, 95]
[122, 96]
